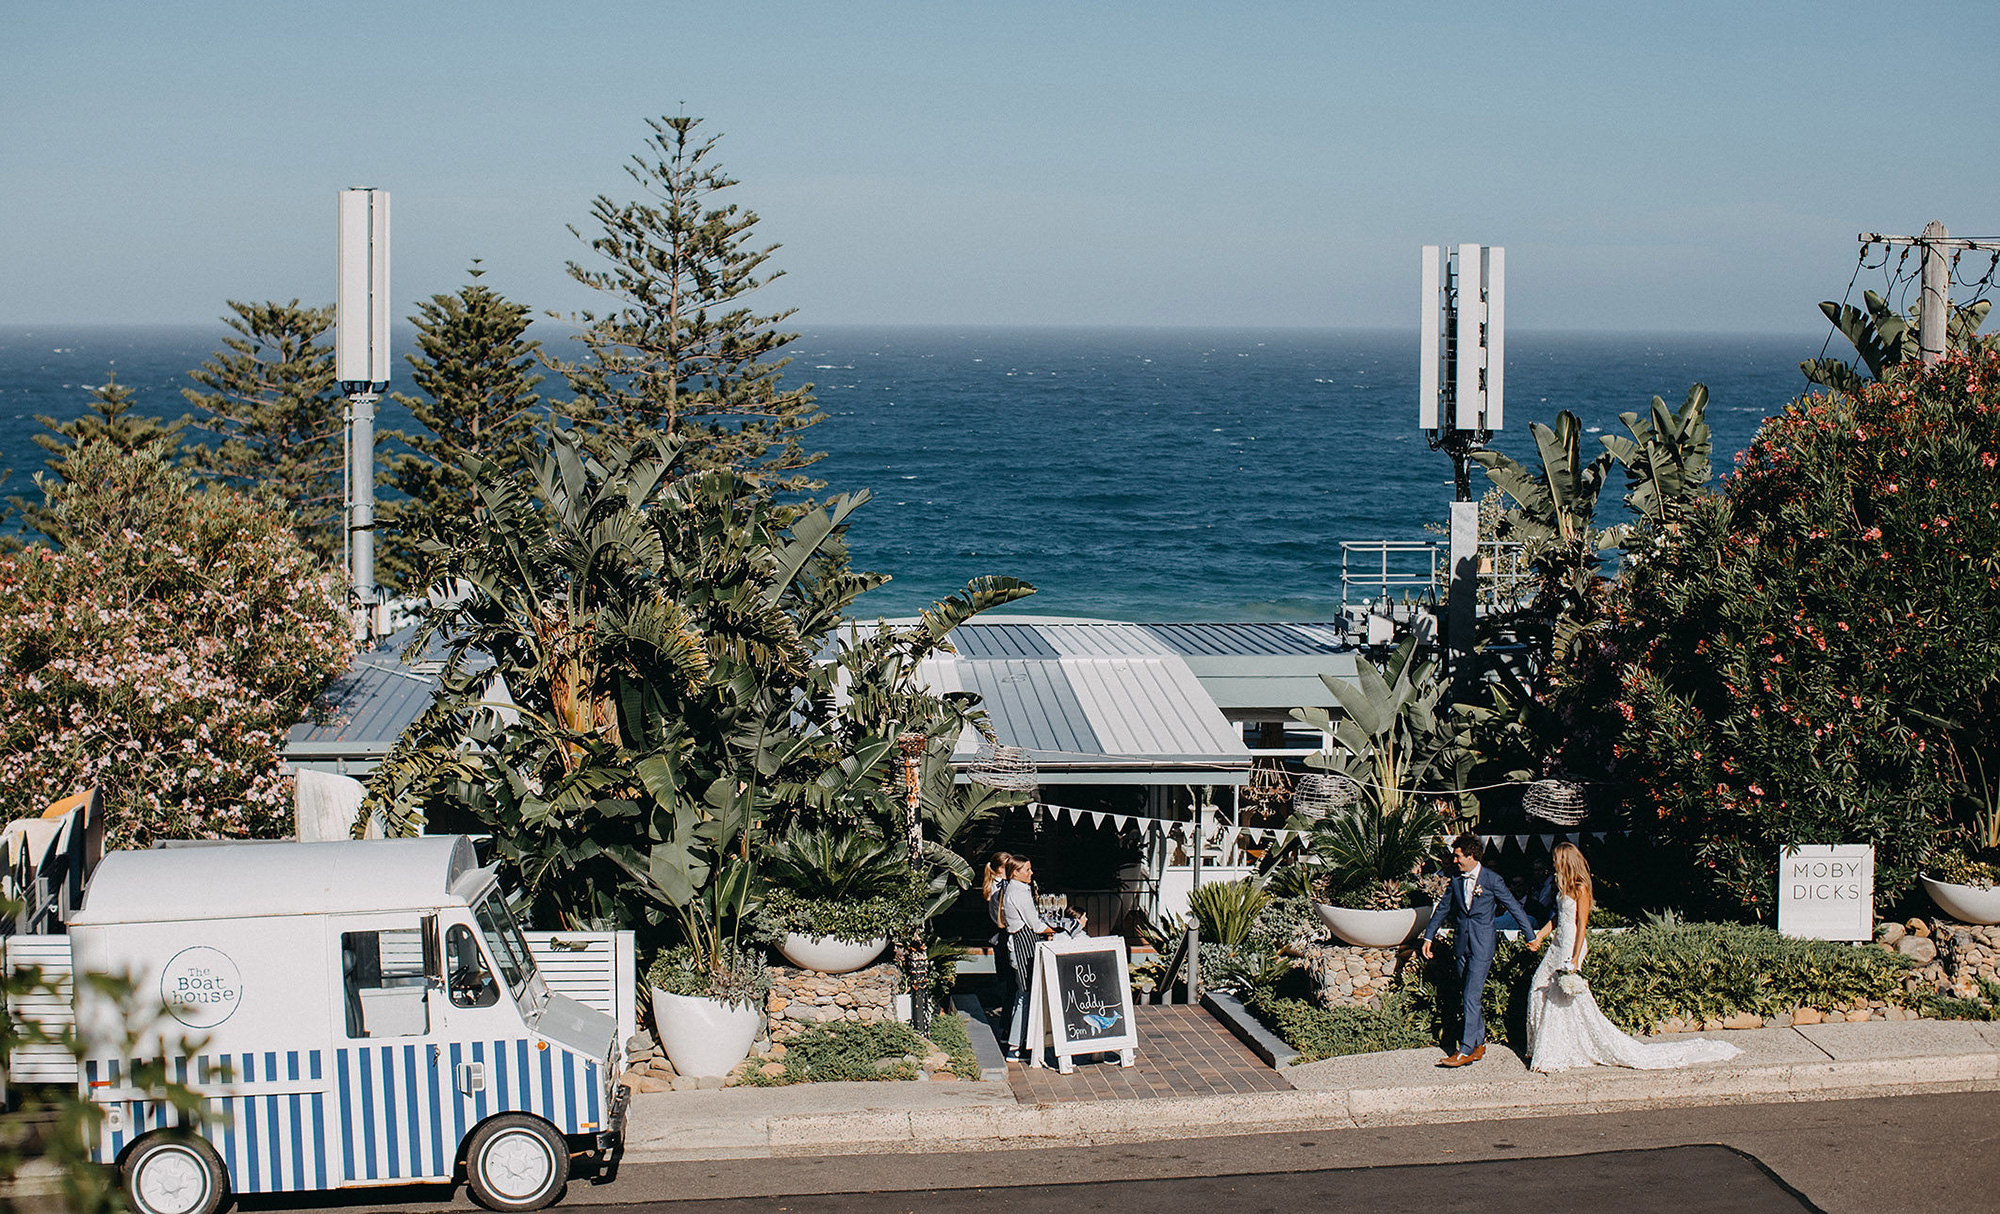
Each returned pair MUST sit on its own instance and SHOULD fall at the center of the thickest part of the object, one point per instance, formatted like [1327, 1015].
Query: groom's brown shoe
[1457, 1060]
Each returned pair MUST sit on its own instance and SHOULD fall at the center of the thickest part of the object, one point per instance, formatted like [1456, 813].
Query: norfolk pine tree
[473, 368]
[111, 419]
[681, 354]
[274, 409]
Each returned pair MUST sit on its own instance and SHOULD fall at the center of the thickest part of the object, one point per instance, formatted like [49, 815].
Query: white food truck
[370, 1015]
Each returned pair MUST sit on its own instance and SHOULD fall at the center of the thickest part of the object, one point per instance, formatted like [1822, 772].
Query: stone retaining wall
[801, 999]
[1346, 976]
[1951, 957]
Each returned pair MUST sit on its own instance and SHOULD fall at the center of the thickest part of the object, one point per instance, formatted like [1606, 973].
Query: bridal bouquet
[1571, 983]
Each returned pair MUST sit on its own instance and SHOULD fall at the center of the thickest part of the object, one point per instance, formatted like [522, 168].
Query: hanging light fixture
[1004, 767]
[1270, 784]
[1318, 794]
[1560, 802]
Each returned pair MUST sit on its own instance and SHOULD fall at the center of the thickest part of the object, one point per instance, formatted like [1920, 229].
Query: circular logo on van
[201, 987]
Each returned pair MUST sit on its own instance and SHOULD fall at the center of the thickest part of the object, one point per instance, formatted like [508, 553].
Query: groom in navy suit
[1476, 897]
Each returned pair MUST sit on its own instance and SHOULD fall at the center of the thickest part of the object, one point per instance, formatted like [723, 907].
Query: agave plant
[1225, 911]
[1373, 854]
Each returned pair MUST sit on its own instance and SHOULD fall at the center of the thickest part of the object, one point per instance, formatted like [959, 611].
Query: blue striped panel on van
[264, 1140]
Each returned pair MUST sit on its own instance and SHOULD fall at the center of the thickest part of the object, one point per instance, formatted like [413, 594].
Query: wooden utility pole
[1934, 303]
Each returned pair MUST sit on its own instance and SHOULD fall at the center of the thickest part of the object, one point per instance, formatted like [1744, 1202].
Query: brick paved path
[1183, 1051]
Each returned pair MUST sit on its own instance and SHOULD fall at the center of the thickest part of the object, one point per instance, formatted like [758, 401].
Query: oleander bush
[1809, 656]
[159, 649]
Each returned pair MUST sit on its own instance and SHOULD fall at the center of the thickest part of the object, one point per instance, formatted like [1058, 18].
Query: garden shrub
[1317, 1032]
[1952, 1007]
[161, 652]
[1810, 656]
[1694, 971]
[949, 1033]
[1713, 970]
[848, 1051]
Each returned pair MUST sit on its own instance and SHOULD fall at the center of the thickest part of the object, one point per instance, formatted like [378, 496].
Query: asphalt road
[1930, 1153]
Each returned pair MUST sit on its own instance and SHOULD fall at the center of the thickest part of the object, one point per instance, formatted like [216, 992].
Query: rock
[771, 1070]
[685, 1083]
[777, 1050]
[1776, 1022]
[1744, 1020]
[708, 1081]
[1712, 1026]
[1807, 1015]
[1889, 933]
[1918, 927]
[1918, 947]
[660, 1065]
[776, 1004]
[937, 1060]
[641, 1040]
[647, 1082]
[1858, 1015]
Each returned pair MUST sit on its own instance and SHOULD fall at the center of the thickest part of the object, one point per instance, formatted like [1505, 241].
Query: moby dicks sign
[1827, 892]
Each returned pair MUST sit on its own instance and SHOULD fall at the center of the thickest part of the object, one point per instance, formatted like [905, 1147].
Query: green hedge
[1713, 970]
[1696, 971]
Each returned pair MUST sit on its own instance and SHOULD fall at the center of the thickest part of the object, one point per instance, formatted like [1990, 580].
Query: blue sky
[1687, 167]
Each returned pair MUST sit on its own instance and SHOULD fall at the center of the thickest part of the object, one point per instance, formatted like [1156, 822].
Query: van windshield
[505, 942]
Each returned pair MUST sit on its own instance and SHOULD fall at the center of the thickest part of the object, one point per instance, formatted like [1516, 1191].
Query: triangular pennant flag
[1597, 836]
[1096, 818]
[1521, 842]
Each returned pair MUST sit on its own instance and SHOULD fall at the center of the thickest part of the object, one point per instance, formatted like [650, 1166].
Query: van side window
[471, 985]
[383, 976]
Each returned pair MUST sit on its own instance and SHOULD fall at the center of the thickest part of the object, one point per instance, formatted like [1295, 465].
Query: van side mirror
[433, 954]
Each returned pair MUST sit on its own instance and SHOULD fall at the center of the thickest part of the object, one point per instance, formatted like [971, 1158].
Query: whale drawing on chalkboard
[1102, 1023]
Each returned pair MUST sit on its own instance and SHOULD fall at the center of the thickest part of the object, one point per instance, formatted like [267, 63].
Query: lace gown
[1565, 1032]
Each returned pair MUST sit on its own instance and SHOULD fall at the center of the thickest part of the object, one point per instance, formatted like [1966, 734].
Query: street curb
[1249, 1030]
[1087, 1123]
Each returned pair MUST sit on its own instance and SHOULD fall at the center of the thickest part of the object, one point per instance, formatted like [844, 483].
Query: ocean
[1137, 474]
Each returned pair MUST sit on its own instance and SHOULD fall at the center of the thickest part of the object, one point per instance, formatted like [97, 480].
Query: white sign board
[1082, 1001]
[1827, 891]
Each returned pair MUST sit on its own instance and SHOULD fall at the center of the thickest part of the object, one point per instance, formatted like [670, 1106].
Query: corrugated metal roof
[1093, 702]
[1247, 639]
[1032, 705]
[372, 704]
[1000, 641]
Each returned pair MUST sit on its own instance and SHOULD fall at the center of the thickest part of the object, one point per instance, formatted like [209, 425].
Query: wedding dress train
[1567, 1031]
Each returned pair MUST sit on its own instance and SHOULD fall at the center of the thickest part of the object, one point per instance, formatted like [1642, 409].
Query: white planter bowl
[704, 1036]
[825, 955]
[1375, 928]
[1964, 903]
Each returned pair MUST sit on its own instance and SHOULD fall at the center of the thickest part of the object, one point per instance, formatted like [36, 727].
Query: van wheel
[175, 1175]
[516, 1163]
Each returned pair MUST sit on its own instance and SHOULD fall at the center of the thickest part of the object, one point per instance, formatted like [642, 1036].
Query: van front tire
[516, 1163]
[175, 1174]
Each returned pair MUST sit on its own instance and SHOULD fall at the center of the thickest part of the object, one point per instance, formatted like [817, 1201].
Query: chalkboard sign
[1082, 1000]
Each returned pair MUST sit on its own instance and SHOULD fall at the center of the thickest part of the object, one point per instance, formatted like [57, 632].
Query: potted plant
[1966, 884]
[1369, 893]
[1389, 741]
[1965, 889]
[707, 1009]
[835, 900]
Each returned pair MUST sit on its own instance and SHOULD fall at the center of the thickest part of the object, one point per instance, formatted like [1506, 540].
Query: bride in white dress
[1566, 1030]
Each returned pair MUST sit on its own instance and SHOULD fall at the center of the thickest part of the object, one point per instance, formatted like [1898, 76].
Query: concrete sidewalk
[1819, 1062]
